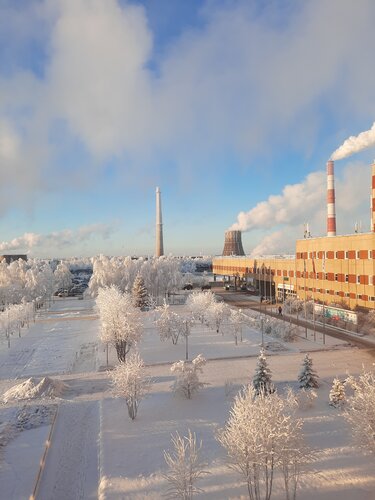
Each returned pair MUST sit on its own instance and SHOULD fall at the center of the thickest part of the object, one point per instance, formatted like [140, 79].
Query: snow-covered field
[97, 450]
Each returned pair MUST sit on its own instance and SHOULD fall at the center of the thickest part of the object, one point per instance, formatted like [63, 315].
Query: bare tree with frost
[187, 376]
[168, 323]
[217, 314]
[236, 322]
[307, 378]
[360, 410]
[130, 382]
[120, 322]
[184, 467]
[261, 435]
[199, 303]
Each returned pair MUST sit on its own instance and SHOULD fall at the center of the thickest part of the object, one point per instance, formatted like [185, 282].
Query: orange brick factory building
[330, 269]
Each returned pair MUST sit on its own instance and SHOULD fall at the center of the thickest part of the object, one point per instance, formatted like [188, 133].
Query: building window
[326, 276]
[336, 277]
[347, 255]
[358, 279]
[347, 294]
[346, 278]
[359, 296]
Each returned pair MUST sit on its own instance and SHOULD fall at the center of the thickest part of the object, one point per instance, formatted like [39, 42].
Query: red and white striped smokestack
[331, 212]
[373, 198]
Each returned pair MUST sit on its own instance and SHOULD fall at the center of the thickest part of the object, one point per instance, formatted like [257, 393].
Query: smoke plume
[355, 144]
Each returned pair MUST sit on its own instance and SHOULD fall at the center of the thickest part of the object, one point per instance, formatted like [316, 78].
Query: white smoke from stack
[355, 144]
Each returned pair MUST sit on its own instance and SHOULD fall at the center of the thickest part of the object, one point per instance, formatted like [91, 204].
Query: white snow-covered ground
[95, 448]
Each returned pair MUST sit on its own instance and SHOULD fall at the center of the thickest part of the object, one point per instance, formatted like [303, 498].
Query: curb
[43, 459]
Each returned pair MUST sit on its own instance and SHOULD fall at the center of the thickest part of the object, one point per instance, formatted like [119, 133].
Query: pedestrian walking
[280, 311]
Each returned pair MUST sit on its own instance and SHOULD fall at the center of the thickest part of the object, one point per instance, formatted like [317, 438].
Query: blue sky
[229, 106]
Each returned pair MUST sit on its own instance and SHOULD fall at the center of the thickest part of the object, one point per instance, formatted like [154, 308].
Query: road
[238, 300]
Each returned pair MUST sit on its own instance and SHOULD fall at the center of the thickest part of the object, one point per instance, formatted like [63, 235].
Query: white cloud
[57, 239]
[245, 82]
[285, 214]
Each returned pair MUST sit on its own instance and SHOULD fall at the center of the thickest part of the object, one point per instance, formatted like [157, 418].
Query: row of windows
[339, 294]
[339, 254]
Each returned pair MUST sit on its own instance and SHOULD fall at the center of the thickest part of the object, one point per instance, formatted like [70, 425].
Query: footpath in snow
[95, 448]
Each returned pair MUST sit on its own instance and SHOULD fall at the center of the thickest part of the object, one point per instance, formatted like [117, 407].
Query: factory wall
[338, 269]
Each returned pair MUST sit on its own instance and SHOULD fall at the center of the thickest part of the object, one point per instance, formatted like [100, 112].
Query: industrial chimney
[233, 243]
[373, 199]
[331, 212]
[159, 226]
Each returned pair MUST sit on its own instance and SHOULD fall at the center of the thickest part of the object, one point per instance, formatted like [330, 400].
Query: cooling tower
[233, 243]
[331, 211]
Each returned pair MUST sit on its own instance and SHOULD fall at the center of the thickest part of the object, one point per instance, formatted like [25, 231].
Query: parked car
[206, 287]
[229, 286]
[188, 286]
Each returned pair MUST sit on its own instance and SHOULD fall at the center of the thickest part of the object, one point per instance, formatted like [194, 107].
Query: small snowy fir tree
[187, 376]
[308, 379]
[139, 293]
[184, 467]
[130, 382]
[337, 394]
[262, 378]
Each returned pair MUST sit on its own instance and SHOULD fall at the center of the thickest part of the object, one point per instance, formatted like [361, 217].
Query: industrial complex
[333, 269]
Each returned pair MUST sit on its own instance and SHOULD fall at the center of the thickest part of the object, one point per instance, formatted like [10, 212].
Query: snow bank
[33, 388]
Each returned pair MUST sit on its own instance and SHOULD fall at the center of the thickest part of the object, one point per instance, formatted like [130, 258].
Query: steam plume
[355, 144]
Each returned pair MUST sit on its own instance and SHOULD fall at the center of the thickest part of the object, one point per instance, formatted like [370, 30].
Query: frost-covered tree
[307, 378]
[184, 467]
[360, 410]
[337, 393]
[139, 292]
[217, 314]
[262, 380]
[262, 434]
[236, 323]
[120, 322]
[168, 323]
[130, 382]
[199, 304]
[187, 376]
[63, 277]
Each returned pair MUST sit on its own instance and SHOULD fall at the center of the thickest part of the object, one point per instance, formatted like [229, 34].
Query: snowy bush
[184, 467]
[130, 382]
[262, 434]
[307, 377]
[306, 399]
[360, 410]
[337, 393]
[187, 376]
[120, 322]
[262, 382]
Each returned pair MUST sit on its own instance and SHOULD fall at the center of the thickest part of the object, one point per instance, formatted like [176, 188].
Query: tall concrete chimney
[331, 212]
[373, 198]
[159, 226]
[233, 243]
